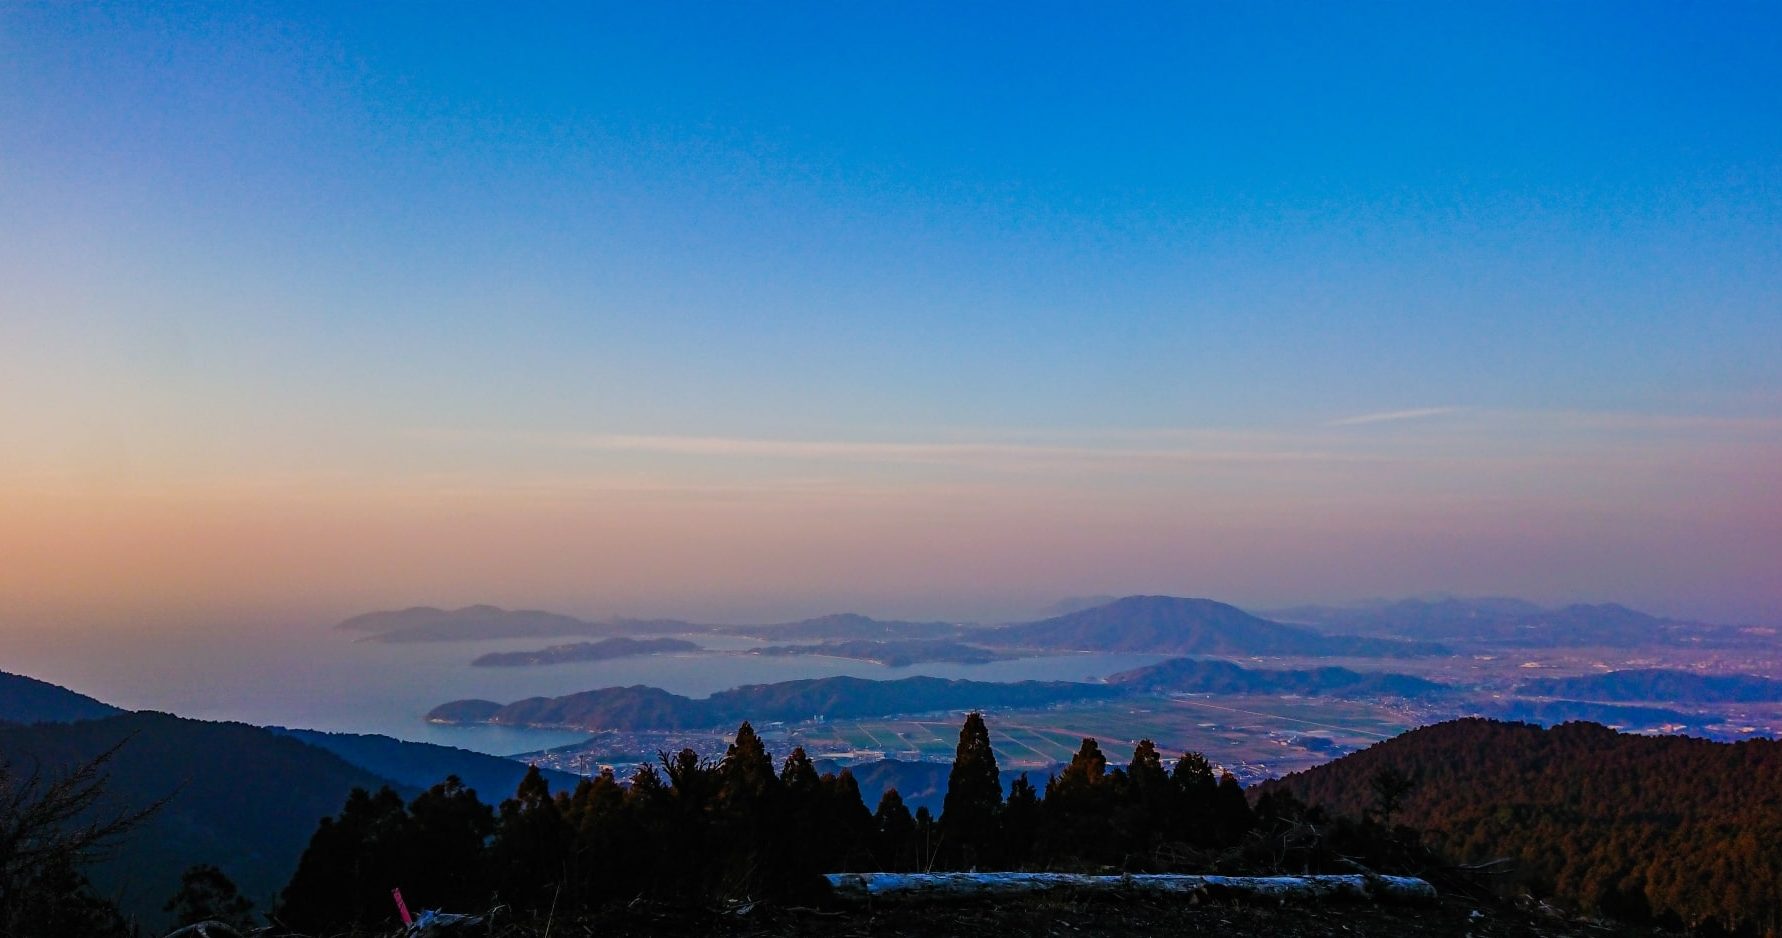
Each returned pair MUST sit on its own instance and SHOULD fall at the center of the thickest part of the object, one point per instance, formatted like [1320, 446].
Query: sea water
[326, 679]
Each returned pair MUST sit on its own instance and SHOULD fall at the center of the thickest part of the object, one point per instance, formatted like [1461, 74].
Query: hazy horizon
[919, 312]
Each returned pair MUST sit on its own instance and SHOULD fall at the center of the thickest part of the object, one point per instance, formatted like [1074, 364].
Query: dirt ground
[1065, 915]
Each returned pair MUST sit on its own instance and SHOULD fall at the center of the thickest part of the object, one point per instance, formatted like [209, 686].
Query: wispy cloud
[992, 454]
[1391, 416]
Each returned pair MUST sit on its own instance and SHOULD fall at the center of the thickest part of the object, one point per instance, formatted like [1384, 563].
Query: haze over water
[323, 679]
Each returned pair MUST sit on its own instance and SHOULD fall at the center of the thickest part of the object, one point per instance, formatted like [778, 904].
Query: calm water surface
[323, 679]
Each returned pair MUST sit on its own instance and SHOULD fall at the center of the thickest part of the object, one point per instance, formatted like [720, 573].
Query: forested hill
[29, 700]
[1626, 824]
[421, 765]
[1642, 684]
[1177, 626]
[639, 707]
[238, 796]
[1212, 676]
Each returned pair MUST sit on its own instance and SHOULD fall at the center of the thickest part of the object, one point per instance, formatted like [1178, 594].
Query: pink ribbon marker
[402, 907]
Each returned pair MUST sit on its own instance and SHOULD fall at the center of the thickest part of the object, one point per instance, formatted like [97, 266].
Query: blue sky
[324, 253]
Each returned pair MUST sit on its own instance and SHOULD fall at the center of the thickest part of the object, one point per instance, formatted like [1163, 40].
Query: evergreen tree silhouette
[974, 796]
[207, 895]
[1020, 822]
[1147, 800]
[845, 828]
[926, 839]
[1197, 789]
[897, 850]
[344, 878]
[448, 827]
[1232, 817]
[1079, 806]
[530, 850]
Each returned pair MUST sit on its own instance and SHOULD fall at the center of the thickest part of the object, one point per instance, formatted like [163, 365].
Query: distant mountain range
[1177, 626]
[422, 765]
[651, 708]
[427, 624]
[1513, 622]
[1659, 684]
[1154, 624]
[236, 795]
[244, 797]
[29, 700]
[1212, 676]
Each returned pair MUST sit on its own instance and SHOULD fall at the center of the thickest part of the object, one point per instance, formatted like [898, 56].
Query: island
[652, 708]
[602, 650]
[894, 654]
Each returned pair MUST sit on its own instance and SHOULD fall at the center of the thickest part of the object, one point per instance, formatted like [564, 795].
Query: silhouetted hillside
[1211, 676]
[1623, 823]
[29, 700]
[1555, 712]
[639, 707]
[1659, 684]
[427, 624]
[239, 796]
[420, 765]
[1176, 626]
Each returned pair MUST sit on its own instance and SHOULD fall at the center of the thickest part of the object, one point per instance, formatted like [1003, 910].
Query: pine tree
[1146, 802]
[746, 775]
[1020, 822]
[974, 796]
[345, 875]
[207, 895]
[1079, 807]
[897, 849]
[845, 826]
[1196, 790]
[531, 847]
[1232, 817]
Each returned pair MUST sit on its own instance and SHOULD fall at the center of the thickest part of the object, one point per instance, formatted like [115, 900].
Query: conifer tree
[1196, 790]
[896, 833]
[448, 826]
[1146, 796]
[344, 878]
[1232, 817]
[844, 825]
[532, 841]
[746, 775]
[1079, 806]
[1020, 821]
[207, 895]
[974, 795]
[798, 776]
[926, 839]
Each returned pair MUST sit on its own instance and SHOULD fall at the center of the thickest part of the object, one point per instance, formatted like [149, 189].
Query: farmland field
[1254, 736]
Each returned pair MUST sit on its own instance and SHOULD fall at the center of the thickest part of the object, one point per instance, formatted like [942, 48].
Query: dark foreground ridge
[1059, 915]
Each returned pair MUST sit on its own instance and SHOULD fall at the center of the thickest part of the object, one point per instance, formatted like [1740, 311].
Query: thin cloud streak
[978, 454]
[1392, 416]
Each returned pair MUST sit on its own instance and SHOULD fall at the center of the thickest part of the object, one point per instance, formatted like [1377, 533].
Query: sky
[770, 310]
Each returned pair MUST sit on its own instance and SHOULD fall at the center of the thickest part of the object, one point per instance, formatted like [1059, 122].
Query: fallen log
[1353, 886]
